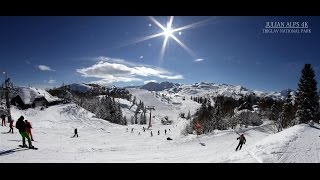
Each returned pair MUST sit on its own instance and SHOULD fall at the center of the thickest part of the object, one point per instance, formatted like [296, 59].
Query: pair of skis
[34, 148]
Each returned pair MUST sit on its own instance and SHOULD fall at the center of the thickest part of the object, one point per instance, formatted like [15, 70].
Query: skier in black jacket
[21, 125]
[241, 141]
[75, 133]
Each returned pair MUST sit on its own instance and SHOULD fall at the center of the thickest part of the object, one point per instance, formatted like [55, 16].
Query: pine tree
[307, 97]
[189, 116]
[136, 118]
[134, 100]
[287, 114]
[144, 118]
[275, 116]
[141, 118]
[218, 119]
[125, 120]
[274, 112]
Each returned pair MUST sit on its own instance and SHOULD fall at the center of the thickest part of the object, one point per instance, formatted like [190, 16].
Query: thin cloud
[45, 68]
[110, 70]
[146, 82]
[51, 81]
[198, 60]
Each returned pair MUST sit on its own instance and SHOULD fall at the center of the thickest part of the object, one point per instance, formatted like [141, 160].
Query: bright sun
[168, 32]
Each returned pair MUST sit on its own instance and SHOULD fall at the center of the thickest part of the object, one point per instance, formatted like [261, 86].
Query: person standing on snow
[242, 140]
[11, 127]
[3, 120]
[29, 127]
[21, 125]
[75, 133]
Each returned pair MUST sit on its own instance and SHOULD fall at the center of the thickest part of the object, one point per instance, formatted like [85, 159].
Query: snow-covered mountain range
[212, 89]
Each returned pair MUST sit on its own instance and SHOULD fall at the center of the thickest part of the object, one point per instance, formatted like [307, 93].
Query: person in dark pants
[21, 125]
[242, 140]
[11, 127]
[3, 120]
[75, 133]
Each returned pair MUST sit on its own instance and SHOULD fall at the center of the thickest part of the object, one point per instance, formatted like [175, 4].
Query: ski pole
[232, 143]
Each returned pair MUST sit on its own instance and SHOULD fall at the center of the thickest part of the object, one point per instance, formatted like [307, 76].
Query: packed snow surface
[102, 141]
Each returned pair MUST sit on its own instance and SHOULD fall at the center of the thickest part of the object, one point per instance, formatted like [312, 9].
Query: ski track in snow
[101, 141]
[304, 149]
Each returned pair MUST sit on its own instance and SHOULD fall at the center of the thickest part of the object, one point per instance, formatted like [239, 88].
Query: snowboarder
[29, 127]
[158, 132]
[75, 133]
[3, 121]
[21, 125]
[242, 140]
[151, 133]
[165, 131]
[11, 127]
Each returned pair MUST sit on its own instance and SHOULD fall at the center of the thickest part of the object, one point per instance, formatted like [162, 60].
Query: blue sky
[50, 50]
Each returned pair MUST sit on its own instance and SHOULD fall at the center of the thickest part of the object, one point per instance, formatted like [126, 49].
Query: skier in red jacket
[29, 127]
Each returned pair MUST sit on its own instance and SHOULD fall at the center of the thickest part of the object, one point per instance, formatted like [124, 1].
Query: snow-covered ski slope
[101, 141]
[172, 109]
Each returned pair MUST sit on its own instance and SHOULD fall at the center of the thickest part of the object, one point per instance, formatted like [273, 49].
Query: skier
[3, 122]
[165, 131]
[21, 125]
[75, 133]
[11, 127]
[144, 130]
[198, 128]
[139, 133]
[131, 130]
[158, 132]
[151, 134]
[29, 127]
[169, 130]
[242, 140]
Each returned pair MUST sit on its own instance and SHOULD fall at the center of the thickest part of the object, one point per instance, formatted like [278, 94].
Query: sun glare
[167, 32]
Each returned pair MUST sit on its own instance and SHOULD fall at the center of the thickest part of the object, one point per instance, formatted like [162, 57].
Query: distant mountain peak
[153, 86]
